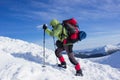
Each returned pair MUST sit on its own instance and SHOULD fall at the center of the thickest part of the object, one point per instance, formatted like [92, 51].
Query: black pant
[68, 49]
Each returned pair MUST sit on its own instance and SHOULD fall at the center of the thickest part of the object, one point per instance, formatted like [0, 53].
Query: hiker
[64, 42]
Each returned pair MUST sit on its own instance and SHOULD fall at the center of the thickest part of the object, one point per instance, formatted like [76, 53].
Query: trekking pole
[55, 48]
[43, 48]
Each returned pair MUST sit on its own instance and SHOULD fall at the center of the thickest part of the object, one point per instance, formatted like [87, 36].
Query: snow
[112, 57]
[112, 60]
[107, 49]
[20, 60]
[111, 48]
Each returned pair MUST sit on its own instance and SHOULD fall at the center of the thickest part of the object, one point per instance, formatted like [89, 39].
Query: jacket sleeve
[57, 32]
[49, 32]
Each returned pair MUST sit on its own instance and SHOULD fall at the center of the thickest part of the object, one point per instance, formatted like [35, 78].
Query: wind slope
[20, 60]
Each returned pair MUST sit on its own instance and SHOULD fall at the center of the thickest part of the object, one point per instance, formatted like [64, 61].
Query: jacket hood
[54, 23]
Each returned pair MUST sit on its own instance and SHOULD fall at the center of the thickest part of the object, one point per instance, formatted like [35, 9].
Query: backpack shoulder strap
[62, 34]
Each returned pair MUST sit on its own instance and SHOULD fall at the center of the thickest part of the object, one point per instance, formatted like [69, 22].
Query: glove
[44, 26]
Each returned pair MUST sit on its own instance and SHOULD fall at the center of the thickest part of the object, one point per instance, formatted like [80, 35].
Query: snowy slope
[111, 55]
[20, 60]
[113, 60]
[108, 54]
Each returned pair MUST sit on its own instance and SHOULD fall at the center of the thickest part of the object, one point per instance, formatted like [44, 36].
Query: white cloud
[93, 9]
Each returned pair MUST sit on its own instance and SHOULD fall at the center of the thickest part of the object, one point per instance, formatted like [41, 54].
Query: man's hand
[44, 26]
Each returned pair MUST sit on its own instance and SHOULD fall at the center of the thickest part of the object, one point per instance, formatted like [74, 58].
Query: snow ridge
[21, 60]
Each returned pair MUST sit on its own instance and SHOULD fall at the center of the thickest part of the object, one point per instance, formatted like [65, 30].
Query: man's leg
[72, 59]
[59, 55]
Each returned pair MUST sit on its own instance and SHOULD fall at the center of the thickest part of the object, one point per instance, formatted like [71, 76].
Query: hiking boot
[79, 73]
[63, 65]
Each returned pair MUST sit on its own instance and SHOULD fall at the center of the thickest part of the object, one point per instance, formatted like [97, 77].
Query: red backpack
[72, 28]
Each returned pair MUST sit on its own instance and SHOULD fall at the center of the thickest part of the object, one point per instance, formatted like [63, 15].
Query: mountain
[105, 50]
[20, 60]
[108, 54]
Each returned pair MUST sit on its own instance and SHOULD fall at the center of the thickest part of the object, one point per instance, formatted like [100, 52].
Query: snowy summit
[20, 60]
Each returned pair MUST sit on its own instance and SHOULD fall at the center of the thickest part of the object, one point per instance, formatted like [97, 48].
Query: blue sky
[99, 18]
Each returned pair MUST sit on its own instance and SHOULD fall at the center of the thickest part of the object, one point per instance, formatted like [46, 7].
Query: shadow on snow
[28, 56]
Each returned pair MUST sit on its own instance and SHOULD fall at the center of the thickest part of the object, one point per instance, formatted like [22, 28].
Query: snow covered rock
[111, 48]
